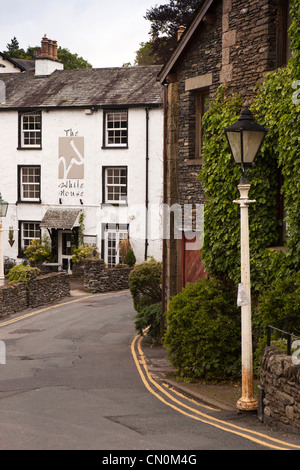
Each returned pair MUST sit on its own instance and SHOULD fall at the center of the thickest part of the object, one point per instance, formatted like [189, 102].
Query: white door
[112, 248]
[65, 250]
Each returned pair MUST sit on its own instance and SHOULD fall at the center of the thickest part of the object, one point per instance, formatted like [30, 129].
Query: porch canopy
[63, 219]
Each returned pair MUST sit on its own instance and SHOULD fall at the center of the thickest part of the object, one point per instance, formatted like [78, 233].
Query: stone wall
[42, 290]
[236, 48]
[48, 288]
[280, 381]
[13, 299]
[98, 278]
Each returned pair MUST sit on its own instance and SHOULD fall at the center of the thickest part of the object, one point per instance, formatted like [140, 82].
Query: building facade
[232, 43]
[81, 150]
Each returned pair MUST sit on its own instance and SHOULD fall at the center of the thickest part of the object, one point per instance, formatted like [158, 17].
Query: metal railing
[288, 335]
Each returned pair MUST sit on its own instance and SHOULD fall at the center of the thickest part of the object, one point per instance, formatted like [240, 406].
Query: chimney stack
[46, 60]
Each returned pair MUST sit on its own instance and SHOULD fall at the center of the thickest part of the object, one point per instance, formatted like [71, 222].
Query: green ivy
[220, 178]
[274, 108]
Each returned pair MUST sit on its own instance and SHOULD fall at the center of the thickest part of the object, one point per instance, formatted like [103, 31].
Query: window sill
[28, 202]
[117, 147]
[118, 204]
[29, 148]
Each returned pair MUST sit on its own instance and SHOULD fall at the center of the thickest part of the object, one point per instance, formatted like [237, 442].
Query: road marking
[36, 312]
[204, 418]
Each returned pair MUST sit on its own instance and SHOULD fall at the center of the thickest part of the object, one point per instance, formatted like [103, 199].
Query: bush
[150, 317]
[38, 251]
[81, 253]
[145, 284]
[203, 331]
[130, 258]
[280, 300]
[22, 273]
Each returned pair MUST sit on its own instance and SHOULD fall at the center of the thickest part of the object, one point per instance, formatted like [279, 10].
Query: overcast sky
[106, 33]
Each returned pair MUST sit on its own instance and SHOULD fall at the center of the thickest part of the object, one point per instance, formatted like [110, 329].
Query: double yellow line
[173, 402]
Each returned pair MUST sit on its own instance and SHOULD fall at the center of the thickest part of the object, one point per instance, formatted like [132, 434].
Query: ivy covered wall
[276, 107]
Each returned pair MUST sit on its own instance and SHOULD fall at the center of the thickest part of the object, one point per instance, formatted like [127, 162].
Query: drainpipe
[164, 242]
[147, 184]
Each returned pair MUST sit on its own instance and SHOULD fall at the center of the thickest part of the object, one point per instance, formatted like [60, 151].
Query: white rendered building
[86, 141]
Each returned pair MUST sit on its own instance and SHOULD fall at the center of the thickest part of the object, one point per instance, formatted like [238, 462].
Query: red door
[192, 266]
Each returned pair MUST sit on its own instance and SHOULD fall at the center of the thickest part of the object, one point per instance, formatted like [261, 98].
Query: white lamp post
[3, 212]
[245, 138]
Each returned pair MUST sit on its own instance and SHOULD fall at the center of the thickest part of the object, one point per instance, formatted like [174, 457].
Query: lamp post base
[245, 404]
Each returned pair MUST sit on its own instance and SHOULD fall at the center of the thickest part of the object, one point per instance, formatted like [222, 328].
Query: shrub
[145, 284]
[22, 273]
[81, 253]
[203, 331]
[150, 317]
[130, 258]
[280, 300]
[38, 251]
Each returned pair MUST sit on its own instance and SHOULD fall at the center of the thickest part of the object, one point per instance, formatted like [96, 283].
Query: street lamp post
[3, 212]
[245, 138]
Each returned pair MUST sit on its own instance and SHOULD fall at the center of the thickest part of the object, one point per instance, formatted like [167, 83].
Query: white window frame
[29, 231]
[116, 187]
[31, 129]
[30, 182]
[112, 237]
[116, 128]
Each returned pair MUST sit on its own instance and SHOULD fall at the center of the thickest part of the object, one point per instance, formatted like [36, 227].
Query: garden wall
[98, 278]
[280, 381]
[42, 290]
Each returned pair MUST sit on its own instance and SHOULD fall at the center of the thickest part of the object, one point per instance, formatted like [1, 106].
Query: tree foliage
[165, 20]
[70, 60]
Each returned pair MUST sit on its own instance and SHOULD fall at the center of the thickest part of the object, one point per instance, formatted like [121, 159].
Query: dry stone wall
[280, 381]
[98, 278]
[42, 290]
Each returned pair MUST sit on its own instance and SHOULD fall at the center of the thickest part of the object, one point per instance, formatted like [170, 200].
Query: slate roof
[60, 218]
[126, 86]
[22, 64]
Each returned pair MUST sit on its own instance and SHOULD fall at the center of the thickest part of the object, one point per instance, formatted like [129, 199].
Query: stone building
[233, 42]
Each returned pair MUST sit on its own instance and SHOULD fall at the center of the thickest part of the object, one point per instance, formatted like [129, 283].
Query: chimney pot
[180, 32]
[50, 49]
[44, 48]
[55, 50]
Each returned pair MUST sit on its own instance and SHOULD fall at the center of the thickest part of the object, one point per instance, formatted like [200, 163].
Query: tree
[165, 21]
[72, 61]
[145, 56]
[14, 45]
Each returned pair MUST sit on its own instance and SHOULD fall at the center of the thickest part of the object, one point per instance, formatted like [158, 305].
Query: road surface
[75, 379]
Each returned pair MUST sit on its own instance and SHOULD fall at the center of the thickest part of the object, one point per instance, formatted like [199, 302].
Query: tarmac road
[76, 378]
